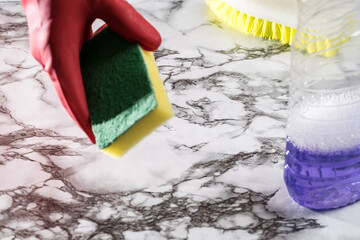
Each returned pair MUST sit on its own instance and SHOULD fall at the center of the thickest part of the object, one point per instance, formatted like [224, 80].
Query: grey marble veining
[214, 171]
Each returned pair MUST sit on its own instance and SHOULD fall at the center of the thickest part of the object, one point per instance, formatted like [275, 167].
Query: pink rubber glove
[58, 30]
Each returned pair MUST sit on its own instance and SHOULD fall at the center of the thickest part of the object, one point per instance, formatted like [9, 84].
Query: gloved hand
[58, 30]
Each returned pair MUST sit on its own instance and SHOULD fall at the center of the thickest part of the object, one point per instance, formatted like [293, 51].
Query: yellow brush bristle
[150, 122]
[322, 45]
[251, 24]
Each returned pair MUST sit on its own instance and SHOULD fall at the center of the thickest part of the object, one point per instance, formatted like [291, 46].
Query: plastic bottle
[322, 160]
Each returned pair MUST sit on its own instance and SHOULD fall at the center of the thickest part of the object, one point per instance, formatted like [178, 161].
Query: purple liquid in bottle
[322, 180]
[322, 158]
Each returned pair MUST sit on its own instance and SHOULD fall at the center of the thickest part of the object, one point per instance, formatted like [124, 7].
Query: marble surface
[212, 172]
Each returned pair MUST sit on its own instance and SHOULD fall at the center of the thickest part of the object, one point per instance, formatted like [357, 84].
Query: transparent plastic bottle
[322, 161]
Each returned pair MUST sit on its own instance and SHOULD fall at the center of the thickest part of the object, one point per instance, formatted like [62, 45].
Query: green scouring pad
[119, 91]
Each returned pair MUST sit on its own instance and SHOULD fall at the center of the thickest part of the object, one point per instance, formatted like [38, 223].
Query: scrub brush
[276, 20]
[270, 19]
[125, 95]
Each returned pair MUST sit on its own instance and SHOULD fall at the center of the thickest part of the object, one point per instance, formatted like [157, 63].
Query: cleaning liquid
[322, 157]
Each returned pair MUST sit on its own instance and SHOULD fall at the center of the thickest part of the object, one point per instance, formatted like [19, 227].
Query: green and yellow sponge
[125, 95]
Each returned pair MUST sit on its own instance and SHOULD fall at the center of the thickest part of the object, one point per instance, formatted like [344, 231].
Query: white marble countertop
[212, 172]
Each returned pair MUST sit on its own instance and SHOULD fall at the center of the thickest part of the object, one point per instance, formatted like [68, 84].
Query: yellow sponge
[151, 121]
